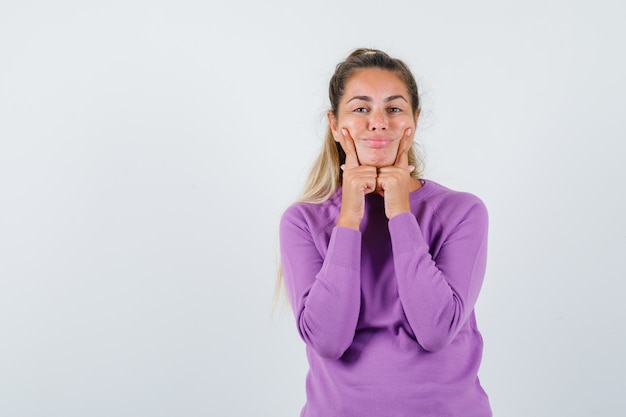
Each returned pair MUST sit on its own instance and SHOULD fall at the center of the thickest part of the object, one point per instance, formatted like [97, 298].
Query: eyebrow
[367, 98]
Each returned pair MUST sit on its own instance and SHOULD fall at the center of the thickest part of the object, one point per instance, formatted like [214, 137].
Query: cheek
[405, 123]
[352, 123]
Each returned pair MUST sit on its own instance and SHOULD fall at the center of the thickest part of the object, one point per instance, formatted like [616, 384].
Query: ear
[332, 123]
[417, 115]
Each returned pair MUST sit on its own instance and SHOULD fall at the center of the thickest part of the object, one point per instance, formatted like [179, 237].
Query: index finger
[352, 159]
[402, 158]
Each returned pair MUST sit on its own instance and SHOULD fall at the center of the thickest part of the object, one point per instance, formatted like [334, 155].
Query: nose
[378, 121]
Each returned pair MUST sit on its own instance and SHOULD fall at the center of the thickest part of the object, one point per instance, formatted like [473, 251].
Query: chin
[378, 160]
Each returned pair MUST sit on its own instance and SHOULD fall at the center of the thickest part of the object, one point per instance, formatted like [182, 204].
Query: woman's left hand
[394, 182]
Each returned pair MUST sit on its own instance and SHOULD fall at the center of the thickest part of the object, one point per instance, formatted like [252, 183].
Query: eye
[360, 110]
[394, 110]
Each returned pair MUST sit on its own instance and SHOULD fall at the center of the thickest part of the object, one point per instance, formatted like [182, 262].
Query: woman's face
[376, 111]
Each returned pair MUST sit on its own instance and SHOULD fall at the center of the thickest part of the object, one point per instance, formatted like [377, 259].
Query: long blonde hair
[325, 175]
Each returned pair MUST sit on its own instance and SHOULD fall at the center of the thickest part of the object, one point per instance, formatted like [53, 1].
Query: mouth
[378, 143]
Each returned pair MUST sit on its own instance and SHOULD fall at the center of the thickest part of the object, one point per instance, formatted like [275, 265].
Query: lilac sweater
[387, 313]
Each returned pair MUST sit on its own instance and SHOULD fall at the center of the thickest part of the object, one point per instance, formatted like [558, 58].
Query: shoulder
[313, 216]
[452, 206]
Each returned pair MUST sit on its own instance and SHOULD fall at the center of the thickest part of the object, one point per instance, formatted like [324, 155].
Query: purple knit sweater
[387, 313]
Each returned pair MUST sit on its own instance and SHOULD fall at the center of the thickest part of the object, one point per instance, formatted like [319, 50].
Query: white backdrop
[148, 148]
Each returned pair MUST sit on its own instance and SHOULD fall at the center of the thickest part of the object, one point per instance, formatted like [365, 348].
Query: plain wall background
[148, 148]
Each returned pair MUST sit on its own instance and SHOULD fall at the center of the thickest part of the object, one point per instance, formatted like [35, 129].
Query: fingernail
[411, 168]
[344, 131]
[408, 132]
[342, 167]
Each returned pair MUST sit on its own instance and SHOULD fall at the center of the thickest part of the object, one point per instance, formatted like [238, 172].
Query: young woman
[383, 268]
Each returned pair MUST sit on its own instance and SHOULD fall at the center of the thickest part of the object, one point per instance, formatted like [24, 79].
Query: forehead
[375, 82]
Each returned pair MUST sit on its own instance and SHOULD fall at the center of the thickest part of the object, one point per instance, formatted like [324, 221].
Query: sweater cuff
[405, 233]
[344, 248]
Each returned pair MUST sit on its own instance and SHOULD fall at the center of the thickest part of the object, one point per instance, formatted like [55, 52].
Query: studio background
[148, 149]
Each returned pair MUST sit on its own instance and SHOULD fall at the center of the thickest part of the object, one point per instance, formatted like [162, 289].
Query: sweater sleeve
[438, 292]
[324, 289]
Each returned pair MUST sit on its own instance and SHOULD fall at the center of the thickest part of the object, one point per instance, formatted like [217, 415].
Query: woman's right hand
[358, 180]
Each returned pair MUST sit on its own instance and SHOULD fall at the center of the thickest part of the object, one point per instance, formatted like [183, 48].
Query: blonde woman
[383, 268]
